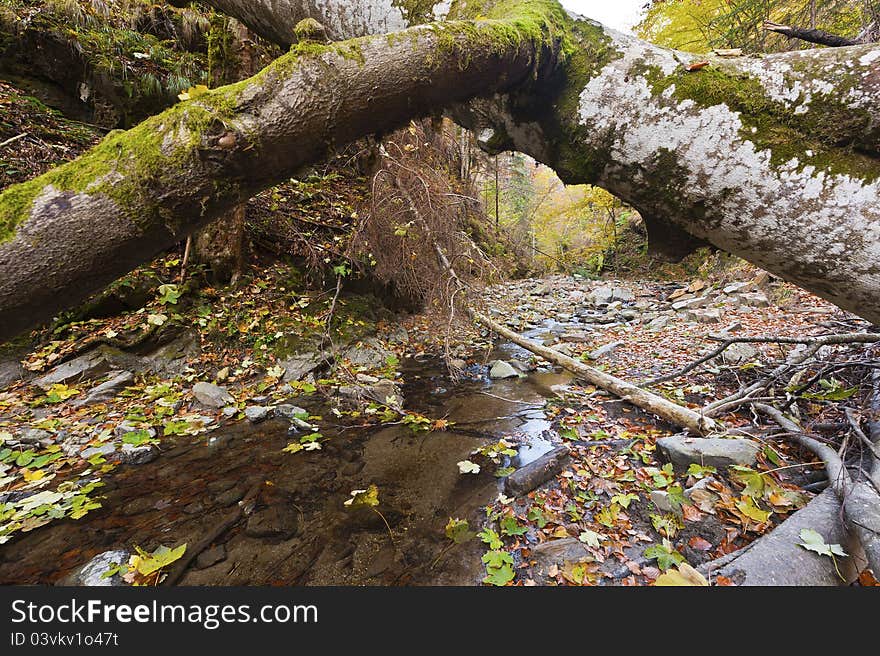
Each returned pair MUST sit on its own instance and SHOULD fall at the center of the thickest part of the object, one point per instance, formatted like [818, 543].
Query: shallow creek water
[300, 532]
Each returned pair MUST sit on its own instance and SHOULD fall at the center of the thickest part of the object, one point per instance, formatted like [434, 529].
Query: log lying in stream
[693, 421]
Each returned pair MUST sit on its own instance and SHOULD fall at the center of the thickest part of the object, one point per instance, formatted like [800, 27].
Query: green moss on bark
[812, 138]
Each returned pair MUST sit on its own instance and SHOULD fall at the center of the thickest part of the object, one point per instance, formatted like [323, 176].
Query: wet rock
[212, 396]
[501, 370]
[536, 473]
[273, 522]
[107, 390]
[35, 436]
[299, 366]
[557, 552]
[352, 468]
[257, 413]
[91, 574]
[138, 506]
[289, 411]
[10, 371]
[715, 452]
[229, 497]
[103, 450]
[136, 455]
[211, 556]
[89, 366]
[384, 560]
[194, 508]
[602, 351]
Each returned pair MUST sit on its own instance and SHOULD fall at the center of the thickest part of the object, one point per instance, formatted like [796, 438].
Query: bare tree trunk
[220, 246]
[773, 159]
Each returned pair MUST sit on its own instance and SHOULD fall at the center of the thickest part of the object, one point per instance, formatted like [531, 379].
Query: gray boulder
[130, 454]
[108, 390]
[257, 413]
[501, 369]
[212, 396]
[35, 436]
[739, 354]
[89, 366]
[300, 366]
[708, 451]
[709, 315]
[289, 411]
[608, 294]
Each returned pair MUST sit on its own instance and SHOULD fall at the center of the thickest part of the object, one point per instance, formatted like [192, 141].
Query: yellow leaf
[685, 575]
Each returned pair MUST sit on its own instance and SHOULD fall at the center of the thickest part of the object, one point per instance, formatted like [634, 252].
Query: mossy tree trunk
[774, 159]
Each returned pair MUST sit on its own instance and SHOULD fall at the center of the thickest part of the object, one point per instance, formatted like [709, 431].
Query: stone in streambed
[715, 452]
[212, 396]
[501, 369]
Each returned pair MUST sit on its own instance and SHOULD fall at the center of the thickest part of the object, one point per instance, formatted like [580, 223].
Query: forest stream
[300, 532]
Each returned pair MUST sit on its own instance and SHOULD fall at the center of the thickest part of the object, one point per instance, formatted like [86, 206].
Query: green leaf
[509, 526]
[169, 294]
[813, 541]
[699, 471]
[458, 530]
[754, 481]
[747, 507]
[368, 498]
[499, 567]
[624, 499]
[501, 472]
[665, 555]
[771, 455]
[136, 438]
[590, 538]
[536, 515]
[491, 538]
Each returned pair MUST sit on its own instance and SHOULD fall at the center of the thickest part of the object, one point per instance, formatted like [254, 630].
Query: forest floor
[142, 428]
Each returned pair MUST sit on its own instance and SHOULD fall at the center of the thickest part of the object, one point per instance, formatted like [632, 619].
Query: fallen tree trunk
[773, 159]
[675, 414]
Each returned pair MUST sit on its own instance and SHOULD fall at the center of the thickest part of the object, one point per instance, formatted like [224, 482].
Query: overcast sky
[619, 14]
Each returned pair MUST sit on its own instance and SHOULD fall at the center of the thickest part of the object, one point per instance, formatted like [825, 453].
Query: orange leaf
[697, 66]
